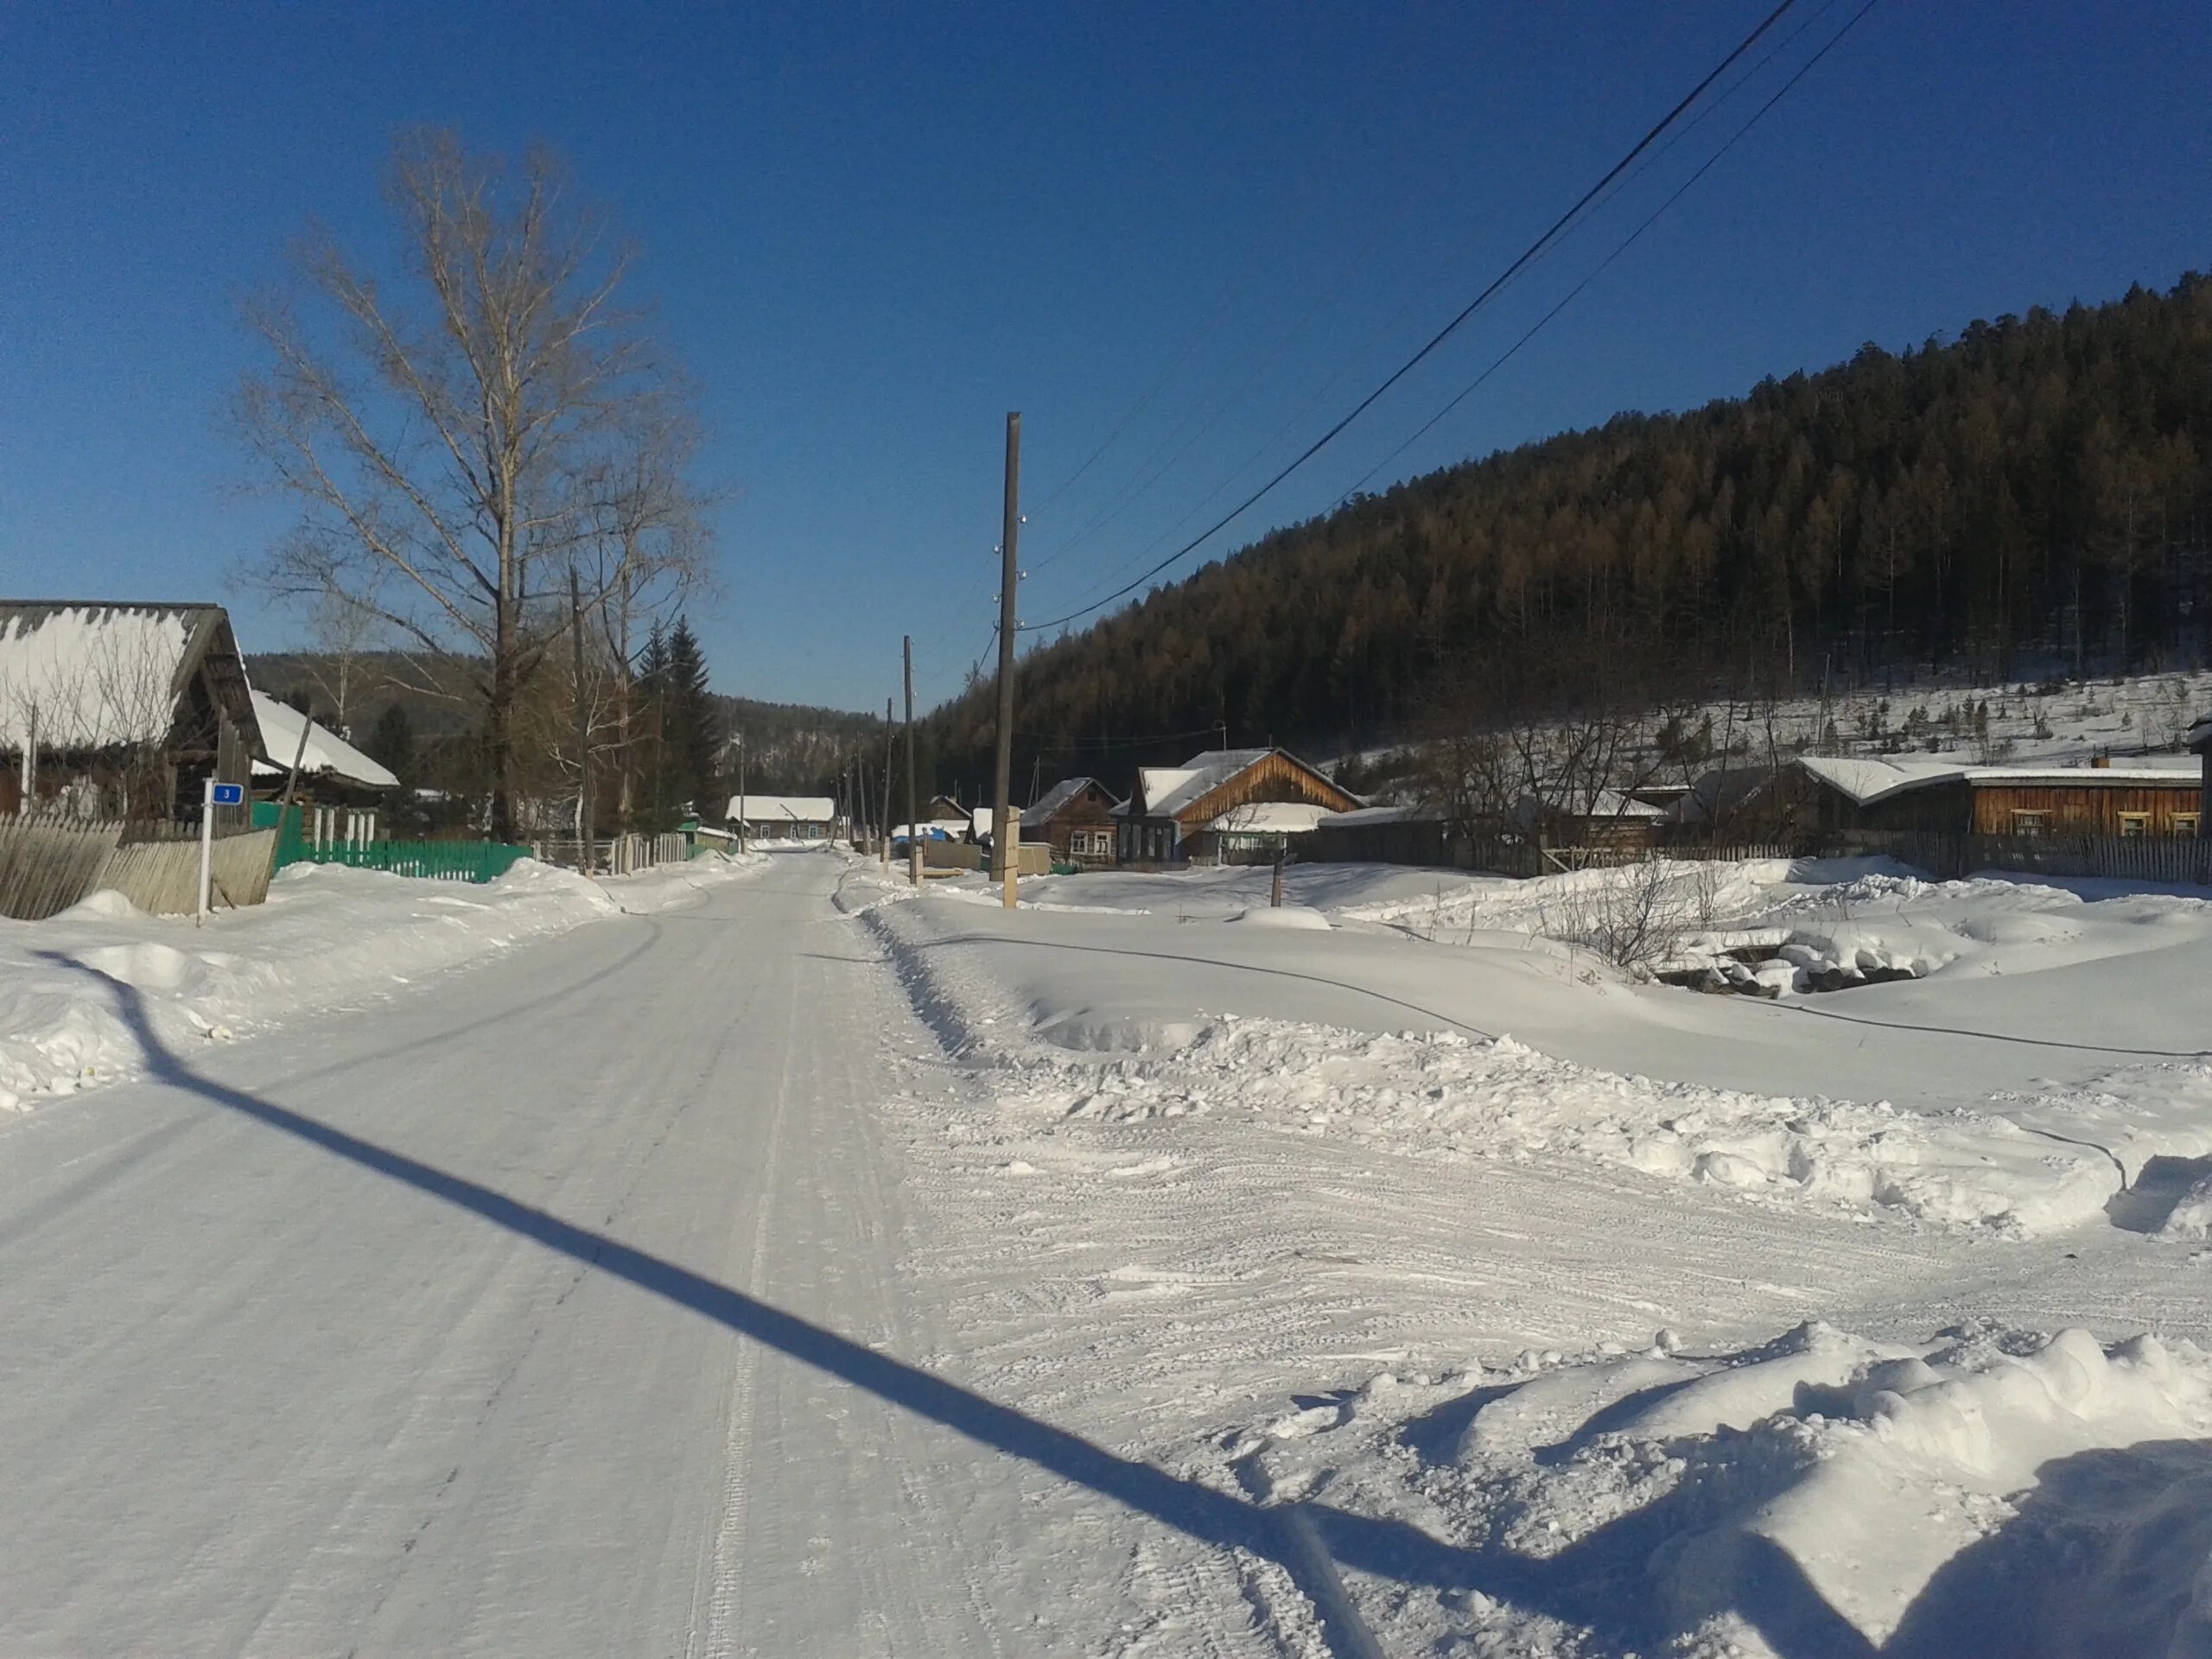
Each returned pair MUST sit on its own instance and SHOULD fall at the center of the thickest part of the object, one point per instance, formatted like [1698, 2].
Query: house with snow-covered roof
[124, 710]
[2150, 795]
[784, 817]
[1225, 805]
[1075, 818]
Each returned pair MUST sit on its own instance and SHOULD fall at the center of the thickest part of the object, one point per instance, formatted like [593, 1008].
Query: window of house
[2030, 823]
[2185, 823]
[2135, 823]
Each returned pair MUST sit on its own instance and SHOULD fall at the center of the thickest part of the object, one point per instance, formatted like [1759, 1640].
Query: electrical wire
[1530, 253]
[1314, 399]
[1627, 242]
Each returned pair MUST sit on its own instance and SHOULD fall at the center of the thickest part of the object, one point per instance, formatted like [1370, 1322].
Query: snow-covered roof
[326, 752]
[1866, 779]
[1613, 803]
[94, 676]
[1166, 790]
[1053, 799]
[1400, 814]
[782, 809]
[1720, 791]
[980, 818]
[1272, 819]
[2200, 735]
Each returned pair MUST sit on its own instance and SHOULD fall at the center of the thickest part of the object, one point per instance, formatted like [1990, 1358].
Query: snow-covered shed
[1218, 804]
[121, 709]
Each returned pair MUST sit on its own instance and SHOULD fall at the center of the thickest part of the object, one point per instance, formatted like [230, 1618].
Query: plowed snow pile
[1993, 1492]
[1452, 1098]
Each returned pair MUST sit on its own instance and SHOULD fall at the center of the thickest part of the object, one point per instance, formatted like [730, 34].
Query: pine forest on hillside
[2029, 497]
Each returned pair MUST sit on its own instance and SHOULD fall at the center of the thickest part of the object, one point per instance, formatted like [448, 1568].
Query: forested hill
[2032, 494]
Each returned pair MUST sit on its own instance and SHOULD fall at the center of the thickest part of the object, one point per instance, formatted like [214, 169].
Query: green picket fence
[435, 861]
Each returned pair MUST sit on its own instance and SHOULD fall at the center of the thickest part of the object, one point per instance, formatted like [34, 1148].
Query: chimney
[2102, 762]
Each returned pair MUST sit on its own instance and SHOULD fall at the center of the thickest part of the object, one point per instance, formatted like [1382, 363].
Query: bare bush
[1638, 916]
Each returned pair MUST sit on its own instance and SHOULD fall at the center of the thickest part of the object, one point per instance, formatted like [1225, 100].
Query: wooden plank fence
[48, 864]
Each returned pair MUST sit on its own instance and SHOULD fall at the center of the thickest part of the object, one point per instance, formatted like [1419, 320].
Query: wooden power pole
[583, 724]
[913, 828]
[887, 729]
[1005, 864]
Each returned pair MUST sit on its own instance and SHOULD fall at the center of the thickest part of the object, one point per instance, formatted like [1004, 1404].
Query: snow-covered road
[670, 1286]
[434, 1328]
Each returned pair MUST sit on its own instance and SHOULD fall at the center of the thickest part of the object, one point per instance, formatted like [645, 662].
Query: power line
[1534, 249]
[1314, 399]
[1627, 242]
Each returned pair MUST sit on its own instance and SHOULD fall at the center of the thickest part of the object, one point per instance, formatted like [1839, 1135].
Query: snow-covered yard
[1582, 1315]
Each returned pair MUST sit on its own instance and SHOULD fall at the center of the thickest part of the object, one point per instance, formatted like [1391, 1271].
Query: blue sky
[869, 231]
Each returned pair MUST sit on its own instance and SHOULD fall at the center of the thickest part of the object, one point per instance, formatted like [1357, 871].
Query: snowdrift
[1993, 1492]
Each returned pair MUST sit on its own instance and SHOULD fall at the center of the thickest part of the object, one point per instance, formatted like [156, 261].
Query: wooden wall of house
[1941, 809]
[1273, 778]
[2089, 809]
[1091, 810]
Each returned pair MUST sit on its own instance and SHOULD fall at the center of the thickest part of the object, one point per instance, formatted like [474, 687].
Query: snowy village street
[687, 1282]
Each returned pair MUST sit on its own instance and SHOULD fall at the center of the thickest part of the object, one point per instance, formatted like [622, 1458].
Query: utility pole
[887, 729]
[583, 724]
[741, 806]
[1005, 862]
[913, 828]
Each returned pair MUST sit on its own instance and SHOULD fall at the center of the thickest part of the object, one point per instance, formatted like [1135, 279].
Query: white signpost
[213, 795]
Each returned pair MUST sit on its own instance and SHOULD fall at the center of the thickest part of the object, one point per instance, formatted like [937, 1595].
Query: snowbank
[1449, 1096]
[327, 936]
[1996, 1491]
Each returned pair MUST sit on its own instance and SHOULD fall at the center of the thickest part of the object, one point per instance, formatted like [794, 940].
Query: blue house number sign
[227, 794]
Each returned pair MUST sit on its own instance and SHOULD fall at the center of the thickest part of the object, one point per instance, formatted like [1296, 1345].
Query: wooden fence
[48, 864]
[2179, 860]
[618, 855]
[162, 876]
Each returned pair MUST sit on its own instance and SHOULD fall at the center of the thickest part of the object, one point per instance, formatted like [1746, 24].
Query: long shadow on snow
[1598, 1582]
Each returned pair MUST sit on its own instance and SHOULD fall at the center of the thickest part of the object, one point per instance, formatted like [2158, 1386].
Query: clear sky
[1202, 231]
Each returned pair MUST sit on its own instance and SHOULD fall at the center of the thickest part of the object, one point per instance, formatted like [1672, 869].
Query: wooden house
[783, 818]
[1607, 818]
[1225, 805]
[111, 710]
[1075, 818]
[1932, 795]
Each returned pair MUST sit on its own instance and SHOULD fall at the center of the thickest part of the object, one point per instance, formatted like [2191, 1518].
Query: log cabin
[1225, 805]
[1075, 818]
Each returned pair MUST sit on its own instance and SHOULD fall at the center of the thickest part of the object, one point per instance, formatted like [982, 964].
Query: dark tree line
[2029, 498]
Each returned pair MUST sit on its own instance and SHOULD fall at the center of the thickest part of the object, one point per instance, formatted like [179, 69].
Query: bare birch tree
[449, 435]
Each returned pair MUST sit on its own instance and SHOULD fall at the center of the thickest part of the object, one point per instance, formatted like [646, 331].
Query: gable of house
[1224, 780]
